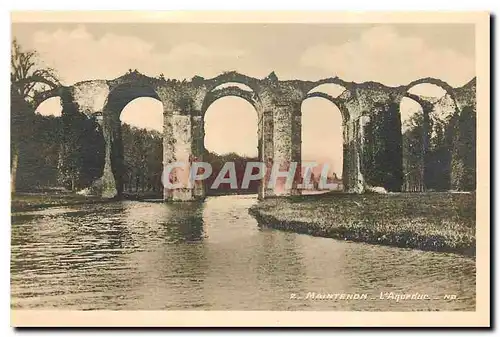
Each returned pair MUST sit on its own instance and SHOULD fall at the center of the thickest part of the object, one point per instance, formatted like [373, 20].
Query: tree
[382, 158]
[413, 154]
[28, 79]
[142, 154]
[463, 175]
[39, 155]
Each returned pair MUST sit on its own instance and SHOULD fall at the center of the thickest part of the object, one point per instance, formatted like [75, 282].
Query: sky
[391, 54]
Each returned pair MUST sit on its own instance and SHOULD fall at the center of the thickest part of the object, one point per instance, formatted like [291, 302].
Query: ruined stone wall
[282, 131]
[373, 152]
[267, 126]
[81, 157]
[89, 99]
[183, 135]
[91, 96]
[372, 141]
[353, 177]
[447, 138]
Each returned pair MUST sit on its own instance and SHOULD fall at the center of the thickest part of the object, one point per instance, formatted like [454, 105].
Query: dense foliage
[27, 80]
[39, 154]
[69, 152]
[447, 160]
[53, 155]
[413, 155]
[382, 155]
[464, 151]
[142, 155]
[81, 149]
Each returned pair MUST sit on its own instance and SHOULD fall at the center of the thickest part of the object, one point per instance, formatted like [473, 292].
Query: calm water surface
[213, 256]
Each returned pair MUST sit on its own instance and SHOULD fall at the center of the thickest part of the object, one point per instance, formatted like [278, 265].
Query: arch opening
[50, 107]
[321, 145]
[332, 89]
[427, 90]
[239, 85]
[331, 92]
[230, 135]
[427, 125]
[141, 125]
[412, 132]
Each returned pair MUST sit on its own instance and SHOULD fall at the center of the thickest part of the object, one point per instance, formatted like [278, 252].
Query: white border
[215, 4]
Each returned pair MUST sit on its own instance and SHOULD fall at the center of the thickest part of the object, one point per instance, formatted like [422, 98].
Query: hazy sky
[390, 54]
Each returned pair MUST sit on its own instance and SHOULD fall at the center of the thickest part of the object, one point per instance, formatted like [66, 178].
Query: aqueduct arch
[425, 131]
[221, 91]
[368, 110]
[118, 98]
[321, 91]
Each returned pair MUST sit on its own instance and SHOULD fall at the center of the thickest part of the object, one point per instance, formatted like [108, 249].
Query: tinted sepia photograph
[282, 169]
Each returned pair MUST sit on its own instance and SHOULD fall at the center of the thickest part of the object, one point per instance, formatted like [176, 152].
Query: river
[212, 255]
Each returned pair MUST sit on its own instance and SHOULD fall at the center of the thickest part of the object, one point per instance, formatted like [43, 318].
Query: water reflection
[212, 256]
[281, 268]
[185, 223]
[173, 267]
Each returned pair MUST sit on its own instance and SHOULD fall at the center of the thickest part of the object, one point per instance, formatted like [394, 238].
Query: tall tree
[28, 78]
[382, 158]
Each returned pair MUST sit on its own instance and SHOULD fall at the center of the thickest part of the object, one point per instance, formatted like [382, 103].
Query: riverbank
[32, 201]
[442, 222]
[28, 201]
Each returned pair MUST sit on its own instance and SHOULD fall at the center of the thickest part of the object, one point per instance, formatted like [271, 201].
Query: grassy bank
[32, 201]
[429, 221]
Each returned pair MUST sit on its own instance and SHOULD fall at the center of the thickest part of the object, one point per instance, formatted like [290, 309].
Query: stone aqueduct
[278, 105]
